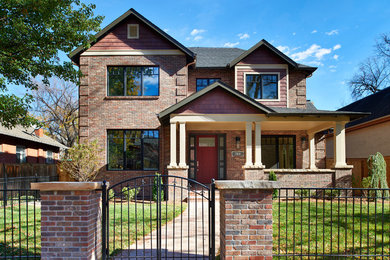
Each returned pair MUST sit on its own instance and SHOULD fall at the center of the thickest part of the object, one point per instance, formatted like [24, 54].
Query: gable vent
[132, 31]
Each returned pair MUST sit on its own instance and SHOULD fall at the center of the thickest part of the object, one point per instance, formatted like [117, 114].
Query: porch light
[238, 142]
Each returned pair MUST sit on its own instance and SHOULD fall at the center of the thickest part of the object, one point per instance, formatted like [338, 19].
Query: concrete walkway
[187, 236]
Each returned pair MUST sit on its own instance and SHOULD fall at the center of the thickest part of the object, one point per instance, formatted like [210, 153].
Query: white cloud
[198, 37]
[294, 33]
[166, 30]
[314, 31]
[314, 63]
[188, 38]
[243, 36]
[313, 51]
[284, 49]
[336, 47]
[332, 32]
[336, 57]
[332, 66]
[197, 31]
[231, 44]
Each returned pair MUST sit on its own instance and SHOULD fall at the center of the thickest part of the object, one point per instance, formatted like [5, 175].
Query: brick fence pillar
[70, 220]
[246, 219]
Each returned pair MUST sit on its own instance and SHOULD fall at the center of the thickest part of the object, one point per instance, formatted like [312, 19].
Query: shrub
[302, 193]
[377, 172]
[129, 194]
[155, 187]
[332, 193]
[272, 177]
[111, 194]
[81, 161]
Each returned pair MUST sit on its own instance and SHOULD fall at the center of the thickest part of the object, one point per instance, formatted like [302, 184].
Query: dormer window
[132, 31]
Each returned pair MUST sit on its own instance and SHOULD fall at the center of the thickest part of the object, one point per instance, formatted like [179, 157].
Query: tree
[81, 161]
[56, 106]
[32, 35]
[374, 72]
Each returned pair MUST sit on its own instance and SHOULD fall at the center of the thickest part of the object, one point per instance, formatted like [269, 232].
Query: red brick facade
[177, 80]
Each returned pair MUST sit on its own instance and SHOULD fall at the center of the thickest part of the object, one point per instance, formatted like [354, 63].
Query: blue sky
[333, 35]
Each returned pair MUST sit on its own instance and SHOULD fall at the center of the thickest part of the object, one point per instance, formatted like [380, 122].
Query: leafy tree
[377, 172]
[32, 35]
[81, 161]
[374, 73]
[56, 105]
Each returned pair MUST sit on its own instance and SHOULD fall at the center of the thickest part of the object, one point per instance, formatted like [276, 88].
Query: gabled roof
[378, 104]
[75, 54]
[215, 57]
[28, 134]
[217, 84]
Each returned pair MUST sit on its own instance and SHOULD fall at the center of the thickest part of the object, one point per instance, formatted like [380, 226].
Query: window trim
[208, 80]
[263, 73]
[125, 81]
[124, 150]
[277, 150]
[49, 160]
[24, 153]
[128, 31]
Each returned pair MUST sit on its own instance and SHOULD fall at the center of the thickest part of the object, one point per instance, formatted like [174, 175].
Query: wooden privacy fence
[360, 169]
[19, 176]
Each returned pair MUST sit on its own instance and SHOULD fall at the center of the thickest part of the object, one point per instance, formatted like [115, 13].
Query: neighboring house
[367, 135]
[27, 145]
[155, 105]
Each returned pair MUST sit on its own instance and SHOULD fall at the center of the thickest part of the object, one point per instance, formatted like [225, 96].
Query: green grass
[335, 228]
[136, 221]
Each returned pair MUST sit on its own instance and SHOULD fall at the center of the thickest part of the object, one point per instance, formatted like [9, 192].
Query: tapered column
[248, 137]
[339, 145]
[312, 149]
[182, 144]
[173, 145]
[258, 162]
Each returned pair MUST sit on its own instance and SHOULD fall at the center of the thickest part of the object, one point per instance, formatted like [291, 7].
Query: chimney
[38, 132]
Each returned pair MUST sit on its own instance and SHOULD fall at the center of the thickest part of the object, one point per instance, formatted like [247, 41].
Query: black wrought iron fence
[329, 223]
[20, 229]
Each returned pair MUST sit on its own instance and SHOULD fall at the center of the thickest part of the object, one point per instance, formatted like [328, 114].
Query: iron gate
[158, 217]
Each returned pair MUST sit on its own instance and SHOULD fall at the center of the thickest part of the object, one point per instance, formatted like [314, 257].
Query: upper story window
[49, 157]
[262, 86]
[132, 31]
[133, 81]
[202, 83]
[20, 154]
[133, 149]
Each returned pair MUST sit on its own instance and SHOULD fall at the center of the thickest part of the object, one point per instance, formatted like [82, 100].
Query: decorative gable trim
[204, 91]
[75, 55]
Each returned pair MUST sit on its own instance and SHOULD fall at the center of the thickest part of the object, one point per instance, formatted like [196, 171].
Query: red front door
[207, 158]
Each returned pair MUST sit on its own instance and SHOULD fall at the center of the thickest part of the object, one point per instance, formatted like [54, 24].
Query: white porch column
[339, 145]
[312, 150]
[173, 145]
[182, 144]
[258, 162]
[248, 137]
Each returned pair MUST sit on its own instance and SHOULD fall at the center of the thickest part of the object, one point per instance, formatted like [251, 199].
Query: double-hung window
[262, 86]
[133, 150]
[202, 83]
[133, 81]
[20, 154]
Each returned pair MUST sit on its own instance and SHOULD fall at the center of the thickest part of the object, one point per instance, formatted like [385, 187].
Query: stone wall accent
[303, 178]
[254, 174]
[246, 219]
[70, 220]
[177, 193]
[297, 89]
[343, 177]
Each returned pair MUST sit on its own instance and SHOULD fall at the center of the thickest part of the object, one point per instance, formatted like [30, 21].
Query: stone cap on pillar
[246, 185]
[60, 185]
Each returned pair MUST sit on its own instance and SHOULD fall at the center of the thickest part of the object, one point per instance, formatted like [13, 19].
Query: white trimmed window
[49, 156]
[20, 154]
[132, 31]
[262, 86]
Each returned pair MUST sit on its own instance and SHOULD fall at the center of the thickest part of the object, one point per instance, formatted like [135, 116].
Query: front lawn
[333, 228]
[20, 228]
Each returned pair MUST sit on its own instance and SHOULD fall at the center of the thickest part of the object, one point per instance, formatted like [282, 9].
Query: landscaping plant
[129, 194]
[377, 172]
[155, 187]
[272, 177]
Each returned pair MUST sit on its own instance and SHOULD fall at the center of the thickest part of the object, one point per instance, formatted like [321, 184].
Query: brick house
[27, 145]
[155, 105]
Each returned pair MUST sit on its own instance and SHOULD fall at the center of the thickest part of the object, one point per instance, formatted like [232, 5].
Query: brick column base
[70, 220]
[343, 177]
[175, 193]
[254, 174]
[246, 219]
